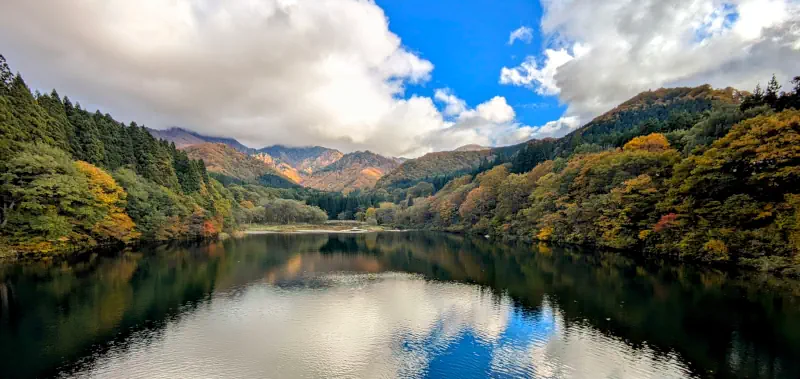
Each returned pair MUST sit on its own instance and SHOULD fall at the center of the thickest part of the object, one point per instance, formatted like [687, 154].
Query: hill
[662, 110]
[358, 170]
[297, 163]
[472, 147]
[231, 165]
[183, 138]
[435, 165]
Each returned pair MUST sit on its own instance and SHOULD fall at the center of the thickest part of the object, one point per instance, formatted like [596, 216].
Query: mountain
[297, 163]
[232, 165]
[305, 159]
[433, 165]
[472, 147]
[183, 138]
[661, 110]
[357, 170]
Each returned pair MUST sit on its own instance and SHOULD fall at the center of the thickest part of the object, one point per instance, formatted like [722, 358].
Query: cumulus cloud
[603, 53]
[322, 72]
[524, 34]
[491, 123]
[453, 105]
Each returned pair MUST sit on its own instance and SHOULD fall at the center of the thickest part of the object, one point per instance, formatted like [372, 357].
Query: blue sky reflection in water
[374, 325]
[408, 305]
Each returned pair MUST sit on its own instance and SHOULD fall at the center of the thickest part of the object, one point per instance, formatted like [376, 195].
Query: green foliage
[733, 199]
[285, 211]
[51, 203]
[772, 98]
[57, 196]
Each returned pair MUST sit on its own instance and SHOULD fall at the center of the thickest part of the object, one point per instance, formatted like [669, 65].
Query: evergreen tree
[5, 76]
[771, 95]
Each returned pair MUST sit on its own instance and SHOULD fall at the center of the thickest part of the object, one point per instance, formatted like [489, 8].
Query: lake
[388, 305]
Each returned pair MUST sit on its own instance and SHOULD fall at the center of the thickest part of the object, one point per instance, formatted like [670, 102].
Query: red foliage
[667, 221]
[209, 229]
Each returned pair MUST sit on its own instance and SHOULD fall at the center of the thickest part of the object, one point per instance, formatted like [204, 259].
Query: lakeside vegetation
[720, 185]
[685, 173]
[72, 180]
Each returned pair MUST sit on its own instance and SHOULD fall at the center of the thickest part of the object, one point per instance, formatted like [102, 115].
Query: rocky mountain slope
[298, 163]
[358, 170]
[232, 164]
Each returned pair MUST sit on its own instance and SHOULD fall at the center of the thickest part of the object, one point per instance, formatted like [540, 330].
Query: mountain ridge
[610, 129]
[356, 170]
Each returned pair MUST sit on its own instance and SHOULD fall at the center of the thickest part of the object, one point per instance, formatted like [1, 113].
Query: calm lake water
[390, 305]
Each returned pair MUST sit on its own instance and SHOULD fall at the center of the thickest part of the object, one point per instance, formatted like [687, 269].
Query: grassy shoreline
[328, 227]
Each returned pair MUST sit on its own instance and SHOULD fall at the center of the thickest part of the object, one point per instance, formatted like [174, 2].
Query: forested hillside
[435, 167]
[703, 176]
[358, 170]
[662, 111]
[228, 165]
[71, 180]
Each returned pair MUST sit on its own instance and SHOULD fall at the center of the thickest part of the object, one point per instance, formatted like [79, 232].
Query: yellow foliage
[471, 202]
[543, 249]
[545, 234]
[717, 249]
[110, 197]
[655, 142]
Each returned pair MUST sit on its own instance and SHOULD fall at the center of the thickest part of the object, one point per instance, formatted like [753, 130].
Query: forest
[716, 183]
[685, 173]
[72, 180]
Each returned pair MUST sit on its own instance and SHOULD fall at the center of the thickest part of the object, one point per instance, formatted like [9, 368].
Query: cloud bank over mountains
[323, 72]
[332, 73]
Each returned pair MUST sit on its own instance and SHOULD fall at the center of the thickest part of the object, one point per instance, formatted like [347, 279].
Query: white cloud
[557, 128]
[541, 79]
[524, 34]
[491, 123]
[453, 105]
[496, 110]
[605, 52]
[321, 72]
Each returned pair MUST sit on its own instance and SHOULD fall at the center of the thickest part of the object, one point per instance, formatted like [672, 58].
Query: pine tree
[5, 76]
[771, 96]
[87, 137]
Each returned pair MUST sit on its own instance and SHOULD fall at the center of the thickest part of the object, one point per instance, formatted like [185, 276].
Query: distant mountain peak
[472, 147]
[356, 170]
[183, 138]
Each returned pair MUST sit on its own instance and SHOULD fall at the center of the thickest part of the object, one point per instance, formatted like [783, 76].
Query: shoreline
[322, 231]
[327, 228]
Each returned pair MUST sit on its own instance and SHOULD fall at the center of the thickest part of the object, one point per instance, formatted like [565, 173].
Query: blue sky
[467, 41]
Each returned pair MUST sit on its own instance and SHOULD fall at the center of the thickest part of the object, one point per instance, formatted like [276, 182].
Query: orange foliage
[209, 229]
[471, 203]
[110, 198]
[655, 143]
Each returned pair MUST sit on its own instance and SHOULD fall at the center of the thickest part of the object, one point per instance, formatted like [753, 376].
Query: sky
[397, 77]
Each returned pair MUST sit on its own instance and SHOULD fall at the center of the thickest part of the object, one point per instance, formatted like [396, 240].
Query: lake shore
[330, 227]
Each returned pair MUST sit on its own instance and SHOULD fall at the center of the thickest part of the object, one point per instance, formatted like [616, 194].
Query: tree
[771, 95]
[52, 204]
[107, 200]
[655, 142]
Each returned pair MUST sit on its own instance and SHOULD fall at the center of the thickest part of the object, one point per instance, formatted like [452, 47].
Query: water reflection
[390, 305]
